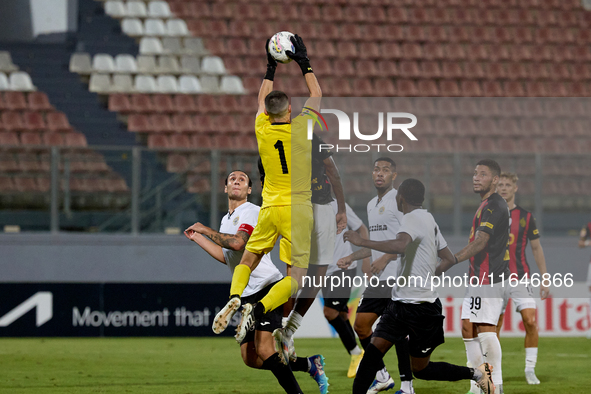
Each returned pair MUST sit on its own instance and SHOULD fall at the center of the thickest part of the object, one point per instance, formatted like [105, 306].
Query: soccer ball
[279, 43]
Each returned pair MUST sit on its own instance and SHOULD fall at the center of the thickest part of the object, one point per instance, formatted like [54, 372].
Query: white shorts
[323, 235]
[589, 276]
[522, 296]
[483, 304]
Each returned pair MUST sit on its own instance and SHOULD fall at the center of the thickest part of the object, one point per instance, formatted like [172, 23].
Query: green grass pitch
[213, 365]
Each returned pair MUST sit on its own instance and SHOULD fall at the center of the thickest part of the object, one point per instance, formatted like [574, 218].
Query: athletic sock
[445, 372]
[279, 293]
[365, 341]
[382, 375]
[403, 355]
[474, 356]
[301, 364]
[370, 364]
[293, 323]
[406, 386]
[492, 354]
[531, 358]
[355, 351]
[283, 373]
[240, 279]
[346, 335]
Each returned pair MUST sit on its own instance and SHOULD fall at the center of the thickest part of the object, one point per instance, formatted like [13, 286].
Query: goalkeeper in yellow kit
[286, 155]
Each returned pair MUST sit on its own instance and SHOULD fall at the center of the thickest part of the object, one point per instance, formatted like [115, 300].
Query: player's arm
[448, 260]
[300, 56]
[332, 172]
[396, 246]
[235, 242]
[381, 262]
[213, 249]
[474, 247]
[267, 85]
[346, 261]
[538, 251]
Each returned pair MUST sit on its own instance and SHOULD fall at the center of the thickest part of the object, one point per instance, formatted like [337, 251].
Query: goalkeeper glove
[300, 55]
[271, 64]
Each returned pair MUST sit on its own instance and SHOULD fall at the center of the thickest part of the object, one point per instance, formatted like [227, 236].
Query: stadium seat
[4, 82]
[415, 33]
[161, 123]
[20, 80]
[156, 141]
[411, 51]
[231, 85]
[213, 65]
[99, 83]
[122, 83]
[367, 68]
[184, 103]
[8, 139]
[34, 121]
[167, 84]
[125, 63]
[163, 103]
[449, 88]
[75, 140]
[146, 64]
[15, 101]
[155, 27]
[12, 121]
[209, 84]
[183, 123]
[177, 163]
[514, 89]
[6, 64]
[492, 89]
[172, 45]
[177, 28]
[145, 84]
[115, 9]
[38, 101]
[136, 9]
[159, 9]
[201, 141]
[52, 139]
[58, 121]
[406, 87]
[8, 163]
[194, 45]
[141, 103]
[430, 70]
[80, 63]
[190, 84]
[180, 141]
[362, 87]
[451, 70]
[151, 46]
[409, 69]
[133, 27]
[30, 139]
[387, 68]
[25, 184]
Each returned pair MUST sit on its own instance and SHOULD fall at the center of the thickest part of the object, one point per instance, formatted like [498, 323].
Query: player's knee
[362, 330]
[530, 324]
[330, 314]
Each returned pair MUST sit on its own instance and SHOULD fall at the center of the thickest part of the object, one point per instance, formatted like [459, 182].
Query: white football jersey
[342, 248]
[384, 221]
[418, 263]
[244, 218]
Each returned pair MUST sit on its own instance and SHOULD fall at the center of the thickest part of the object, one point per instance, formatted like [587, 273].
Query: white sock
[293, 323]
[492, 354]
[283, 321]
[355, 351]
[382, 375]
[406, 386]
[474, 356]
[531, 358]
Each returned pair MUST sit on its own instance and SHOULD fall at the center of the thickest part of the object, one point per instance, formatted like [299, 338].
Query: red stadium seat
[8, 163]
[287, 12]
[15, 101]
[352, 32]
[460, 33]
[391, 50]
[373, 33]
[141, 103]
[387, 68]
[158, 141]
[239, 28]
[347, 50]
[474, 70]
[24, 184]
[376, 15]
[451, 70]
[12, 121]
[34, 121]
[409, 69]
[384, 87]
[217, 46]
[362, 87]
[542, 53]
[119, 103]
[406, 87]
[430, 70]
[367, 68]
[254, 65]
[184, 103]
[180, 141]
[371, 50]
[396, 15]
[163, 103]
[208, 104]
[177, 163]
[495, 71]
[201, 141]
[428, 88]
[8, 139]
[139, 123]
[31, 138]
[394, 33]
[414, 33]
[433, 52]
[514, 89]
[535, 89]
[328, 31]
[481, 34]
[464, 145]
[523, 35]
[38, 101]
[76, 140]
[222, 10]
[203, 123]
[470, 89]
[492, 89]
[355, 14]
[449, 88]
[161, 123]
[53, 139]
[28, 162]
[183, 123]
[411, 51]
[442, 145]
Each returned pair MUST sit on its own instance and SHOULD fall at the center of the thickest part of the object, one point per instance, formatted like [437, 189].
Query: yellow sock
[280, 293]
[239, 279]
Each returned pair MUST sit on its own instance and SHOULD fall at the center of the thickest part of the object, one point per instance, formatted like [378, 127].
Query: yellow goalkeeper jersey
[286, 155]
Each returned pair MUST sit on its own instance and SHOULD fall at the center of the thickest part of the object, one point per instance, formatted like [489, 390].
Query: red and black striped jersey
[492, 217]
[586, 233]
[523, 229]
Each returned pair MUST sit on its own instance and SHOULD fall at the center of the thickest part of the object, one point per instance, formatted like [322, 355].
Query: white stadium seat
[21, 81]
[103, 62]
[100, 83]
[116, 9]
[4, 82]
[122, 83]
[6, 63]
[191, 64]
[213, 65]
[172, 45]
[194, 45]
[232, 85]
[80, 63]
[150, 46]
[136, 9]
[145, 84]
[155, 27]
[177, 27]
[146, 64]
[169, 65]
[159, 9]
[189, 84]
[132, 27]
[125, 64]
[209, 84]
[167, 84]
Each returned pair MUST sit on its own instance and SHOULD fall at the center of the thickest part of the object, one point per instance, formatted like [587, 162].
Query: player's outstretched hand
[379, 264]
[341, 222]
[544, 292]
[344, 262]
[353, 237]
[271, 62]
[197, 228]
[301, 53]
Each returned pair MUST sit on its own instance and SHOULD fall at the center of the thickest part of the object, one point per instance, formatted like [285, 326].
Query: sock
[365, 341]
[279, 293]
[382, 375]
[492, 354]
[239, 279]
[531, 358]
[474, 356]
[301, 364]
[293, 323]
[355, 351]
[406, 386]
[371, 363]
[403, 356]
[283, 374]
[444, 371]
[346, 335]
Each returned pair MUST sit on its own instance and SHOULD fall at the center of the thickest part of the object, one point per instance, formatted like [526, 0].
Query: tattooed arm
[233, 242]
[474, 247]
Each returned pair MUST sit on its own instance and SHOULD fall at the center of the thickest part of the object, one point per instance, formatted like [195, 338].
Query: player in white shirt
[414, 311]
[257, 348]
[336, 309]
[384, 220]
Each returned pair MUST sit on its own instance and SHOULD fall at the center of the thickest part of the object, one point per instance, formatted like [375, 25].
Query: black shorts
[337, 298]
[375, 299]
[270, 320]
[423, 323]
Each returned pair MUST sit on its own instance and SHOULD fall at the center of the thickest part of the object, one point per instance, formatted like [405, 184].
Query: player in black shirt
[489, 265]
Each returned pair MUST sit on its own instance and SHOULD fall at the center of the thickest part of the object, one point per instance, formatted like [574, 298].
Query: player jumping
[523, 228]
[228, 244]
[414, 310]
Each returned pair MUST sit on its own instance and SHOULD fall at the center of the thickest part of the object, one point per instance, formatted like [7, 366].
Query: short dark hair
[494, 167]
[276, 102]
[244, 172]
[386, 159]
[413, 191]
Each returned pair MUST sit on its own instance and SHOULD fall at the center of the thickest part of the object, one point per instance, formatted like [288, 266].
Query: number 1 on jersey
[279, 146]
